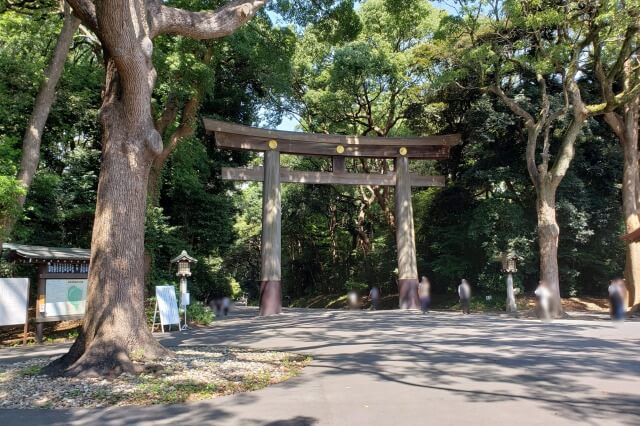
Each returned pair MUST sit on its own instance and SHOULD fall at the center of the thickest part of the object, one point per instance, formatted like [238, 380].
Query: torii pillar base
[270, 298]
[408, 289]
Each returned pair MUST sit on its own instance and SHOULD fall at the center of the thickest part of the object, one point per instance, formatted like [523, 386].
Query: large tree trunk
[629, 204]
[548, 232]
[626, 129]
[114, 332]
[42, 105]
[115, 329]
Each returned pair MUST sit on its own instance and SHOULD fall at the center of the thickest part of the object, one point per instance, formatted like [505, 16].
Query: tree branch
[205, 24]
[85, 10]
[513, 106]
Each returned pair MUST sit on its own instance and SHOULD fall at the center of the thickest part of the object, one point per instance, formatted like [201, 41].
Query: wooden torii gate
[338, 147]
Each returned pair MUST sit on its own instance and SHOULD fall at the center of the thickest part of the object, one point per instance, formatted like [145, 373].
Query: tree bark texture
[114, 331]
[271, 246]
[548, 233]
[626, 129]
[44, 100]
[405, 238]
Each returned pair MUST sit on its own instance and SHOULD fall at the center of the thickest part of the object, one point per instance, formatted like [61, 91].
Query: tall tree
[114, 329]
[33, 134]
[506, 44]
[365, 85]
[616, 67]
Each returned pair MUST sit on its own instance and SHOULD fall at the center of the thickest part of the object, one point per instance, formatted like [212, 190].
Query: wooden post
[338, 164]
[405, 237]
[271, 287]
[40, 302]
[25, 331]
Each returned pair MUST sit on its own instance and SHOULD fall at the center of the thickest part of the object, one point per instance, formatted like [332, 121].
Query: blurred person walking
[464, 292]
[543, 292]
[352, 299]
[226, 303]
[424, 294]
[374, 296]
[616, 299]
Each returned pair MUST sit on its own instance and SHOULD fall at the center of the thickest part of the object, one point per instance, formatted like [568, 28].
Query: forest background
[375, 67]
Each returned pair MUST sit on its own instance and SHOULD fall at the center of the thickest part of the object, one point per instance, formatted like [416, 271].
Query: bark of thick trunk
[548, 232]
[114, 332]
[42, 105]
[630, 210]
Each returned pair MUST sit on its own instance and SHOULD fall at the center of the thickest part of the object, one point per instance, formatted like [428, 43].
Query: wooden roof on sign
[39, 254]
[236, 136]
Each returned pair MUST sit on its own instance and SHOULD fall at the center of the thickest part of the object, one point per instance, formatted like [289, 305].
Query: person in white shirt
[544, 300]
[352, 299]
[464, 292]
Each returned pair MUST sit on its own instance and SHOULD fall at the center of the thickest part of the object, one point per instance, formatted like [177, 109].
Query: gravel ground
[195, 373]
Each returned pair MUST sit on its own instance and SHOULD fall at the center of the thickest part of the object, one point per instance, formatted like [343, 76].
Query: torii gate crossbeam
[274, 142]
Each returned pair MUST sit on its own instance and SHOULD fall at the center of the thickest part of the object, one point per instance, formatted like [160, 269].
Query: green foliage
[199, 313]
[381, 67]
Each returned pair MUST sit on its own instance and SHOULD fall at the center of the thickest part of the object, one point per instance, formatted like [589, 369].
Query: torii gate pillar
[405, 238]
[270, 286]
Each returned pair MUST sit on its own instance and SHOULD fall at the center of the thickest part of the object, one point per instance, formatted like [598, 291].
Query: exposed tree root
[106, 358]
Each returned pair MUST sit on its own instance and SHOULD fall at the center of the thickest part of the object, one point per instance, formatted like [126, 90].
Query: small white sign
[167, 305]
[14, 299]
[185, 299]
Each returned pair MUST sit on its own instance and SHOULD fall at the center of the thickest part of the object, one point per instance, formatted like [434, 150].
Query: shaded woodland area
[376, 68]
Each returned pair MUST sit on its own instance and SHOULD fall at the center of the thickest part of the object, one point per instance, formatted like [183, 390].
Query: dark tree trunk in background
[44, 100]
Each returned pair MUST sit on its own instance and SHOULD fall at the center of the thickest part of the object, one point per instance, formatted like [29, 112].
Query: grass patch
[32, 370]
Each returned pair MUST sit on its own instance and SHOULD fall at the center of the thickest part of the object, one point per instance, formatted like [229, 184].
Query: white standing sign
[14, 299]
[166, 307]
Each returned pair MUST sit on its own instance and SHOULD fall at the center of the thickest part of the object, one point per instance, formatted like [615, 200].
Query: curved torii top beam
[236, 136]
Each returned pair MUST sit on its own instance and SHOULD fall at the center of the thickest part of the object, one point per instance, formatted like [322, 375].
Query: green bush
[199, 313]
[354, 285]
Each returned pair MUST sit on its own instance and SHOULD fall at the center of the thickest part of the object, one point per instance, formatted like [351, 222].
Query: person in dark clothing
[374, 296]
[616, 299]
[424, 294]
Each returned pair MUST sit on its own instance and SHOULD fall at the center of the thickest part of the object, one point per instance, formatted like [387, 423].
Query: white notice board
[14, 299]
[167, 305]
[65, 297]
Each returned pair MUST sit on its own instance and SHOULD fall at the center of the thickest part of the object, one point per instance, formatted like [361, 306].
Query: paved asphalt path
[404, 368]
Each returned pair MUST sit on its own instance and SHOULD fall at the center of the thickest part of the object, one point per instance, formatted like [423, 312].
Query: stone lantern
[184, 262]
[509, 267]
